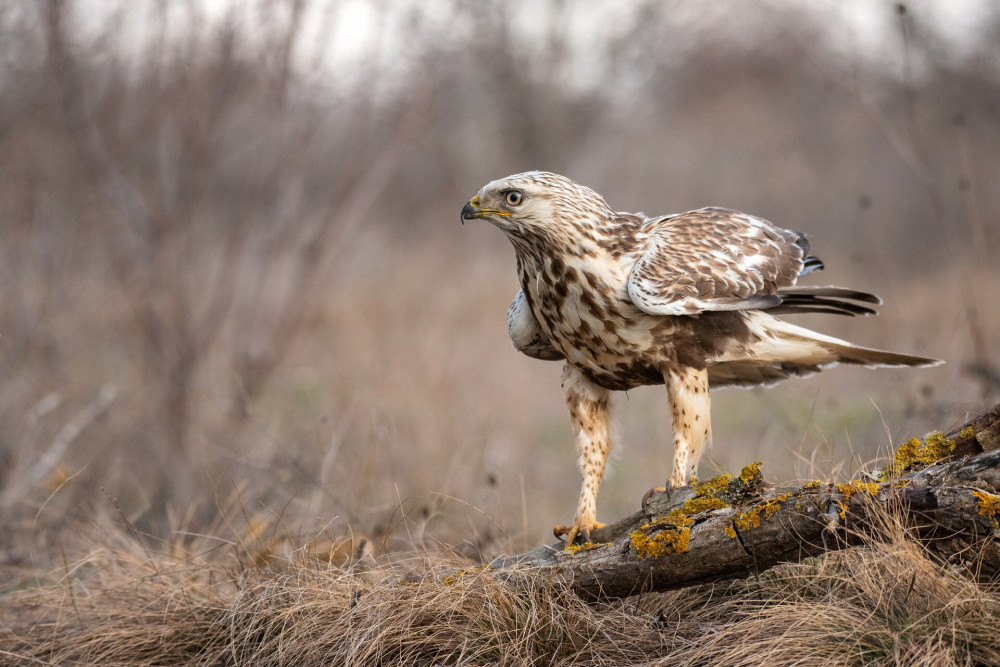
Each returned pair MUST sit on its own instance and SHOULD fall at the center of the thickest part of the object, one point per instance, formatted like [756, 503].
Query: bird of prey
[688, 300]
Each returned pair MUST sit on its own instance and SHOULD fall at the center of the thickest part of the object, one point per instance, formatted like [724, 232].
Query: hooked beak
[471, 210]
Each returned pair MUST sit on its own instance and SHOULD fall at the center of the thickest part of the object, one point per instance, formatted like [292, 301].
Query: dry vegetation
[884, 603]
[239, 321]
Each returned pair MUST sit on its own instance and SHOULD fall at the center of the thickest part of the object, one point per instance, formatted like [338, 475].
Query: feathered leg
[590, 411]
[690, 410]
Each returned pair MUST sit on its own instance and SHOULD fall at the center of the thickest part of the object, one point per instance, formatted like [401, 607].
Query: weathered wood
[955, 504]
[985, 434]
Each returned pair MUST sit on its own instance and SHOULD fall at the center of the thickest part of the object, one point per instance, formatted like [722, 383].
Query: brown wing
[714, 259]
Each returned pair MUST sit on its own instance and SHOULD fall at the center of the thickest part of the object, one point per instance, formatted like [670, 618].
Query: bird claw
[667, 489]
[578, 529]
[649, 494]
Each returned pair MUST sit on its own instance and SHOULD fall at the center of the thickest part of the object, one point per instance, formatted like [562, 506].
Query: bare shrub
[246, 222]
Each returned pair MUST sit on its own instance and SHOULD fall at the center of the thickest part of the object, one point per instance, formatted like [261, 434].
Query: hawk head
[531, 203]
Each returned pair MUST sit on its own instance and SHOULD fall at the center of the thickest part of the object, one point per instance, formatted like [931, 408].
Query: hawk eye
[514, 197]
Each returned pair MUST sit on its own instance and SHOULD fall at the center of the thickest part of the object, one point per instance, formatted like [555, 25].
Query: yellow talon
[578, 529]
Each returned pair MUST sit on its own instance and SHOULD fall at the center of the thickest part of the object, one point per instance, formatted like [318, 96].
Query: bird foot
[578, 529]
[668, 489]
[649, 494]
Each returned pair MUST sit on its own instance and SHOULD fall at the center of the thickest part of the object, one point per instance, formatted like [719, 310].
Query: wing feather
[715, 259]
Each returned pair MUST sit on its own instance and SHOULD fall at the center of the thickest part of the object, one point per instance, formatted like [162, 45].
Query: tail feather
[872, 358]
[784, 350]
[831, 300]
[831, 290]
[829, 350]
[811, 263]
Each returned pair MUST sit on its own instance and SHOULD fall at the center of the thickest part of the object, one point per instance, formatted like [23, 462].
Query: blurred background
[236, 299]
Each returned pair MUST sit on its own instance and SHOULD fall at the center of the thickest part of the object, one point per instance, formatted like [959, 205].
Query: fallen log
[946, 488]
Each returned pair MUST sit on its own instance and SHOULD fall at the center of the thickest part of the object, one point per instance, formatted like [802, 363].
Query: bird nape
[688, 301]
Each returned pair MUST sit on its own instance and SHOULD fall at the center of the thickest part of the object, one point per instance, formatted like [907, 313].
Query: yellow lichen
[856, 485]
[754, 516]
[746, 520]
[729, 489]
[672, 533]
[698, 505]
[666, 535]
[586, 546]
[815, 484]
[661, 543]
[989, 506]
[916, 454]
[713, 487]
[967, 433]
[750, 475]
[852, 487]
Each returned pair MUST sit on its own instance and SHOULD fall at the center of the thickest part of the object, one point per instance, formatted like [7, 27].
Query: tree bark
[737, 527]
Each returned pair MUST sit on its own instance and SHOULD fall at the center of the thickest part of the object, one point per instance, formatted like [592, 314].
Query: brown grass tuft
[132, 611]
[884, 603]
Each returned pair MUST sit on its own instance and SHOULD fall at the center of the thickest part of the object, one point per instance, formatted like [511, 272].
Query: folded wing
[716, 259]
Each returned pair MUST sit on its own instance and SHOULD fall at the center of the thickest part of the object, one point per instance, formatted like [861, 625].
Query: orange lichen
[714, 487]
[989, 506]
[730, 489]
[698, 505]
[914, 454]
[672, 533]
[586, 546]
[856, 485]
[852, 487]
[750, 475]
[666, 535]
[754, 516]
[967, 433]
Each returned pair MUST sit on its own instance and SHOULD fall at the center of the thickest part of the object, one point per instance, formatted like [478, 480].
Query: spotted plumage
[687, 301]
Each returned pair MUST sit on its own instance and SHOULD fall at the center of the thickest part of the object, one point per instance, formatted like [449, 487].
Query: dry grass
[884, 603]
[262, 255]
[235, 301]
